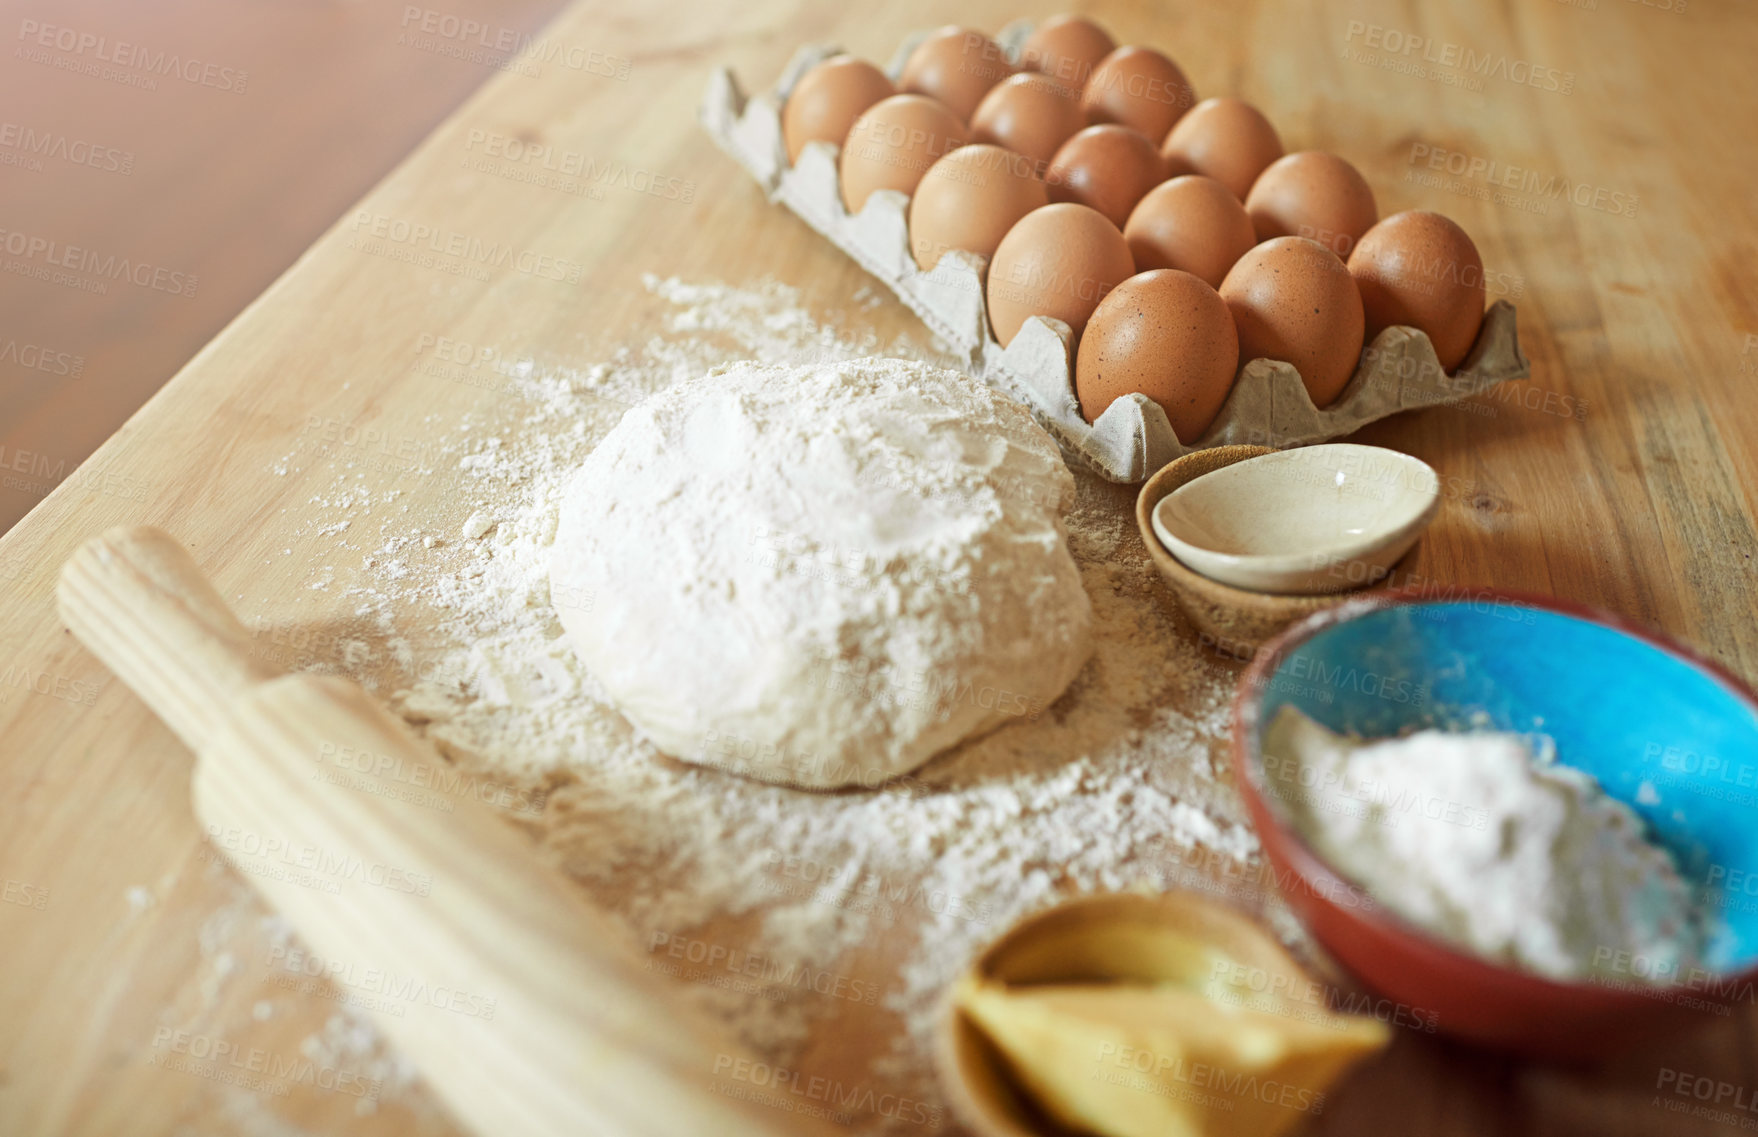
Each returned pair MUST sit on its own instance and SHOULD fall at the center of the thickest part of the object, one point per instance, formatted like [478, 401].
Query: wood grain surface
[1622, 475]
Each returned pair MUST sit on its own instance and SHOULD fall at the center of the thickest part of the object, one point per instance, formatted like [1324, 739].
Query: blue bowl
[1669, 733]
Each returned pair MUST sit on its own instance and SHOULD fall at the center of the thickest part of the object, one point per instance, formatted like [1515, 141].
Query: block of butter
[1133, 1061]
[1159, 1017]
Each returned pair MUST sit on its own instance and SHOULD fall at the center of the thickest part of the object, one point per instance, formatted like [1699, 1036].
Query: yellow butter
[1187, 1058]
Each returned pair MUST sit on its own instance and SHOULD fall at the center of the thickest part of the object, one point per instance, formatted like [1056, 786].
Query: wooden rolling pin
[527, 1011]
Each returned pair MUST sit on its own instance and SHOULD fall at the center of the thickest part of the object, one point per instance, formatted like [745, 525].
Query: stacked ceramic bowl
[1251, 539]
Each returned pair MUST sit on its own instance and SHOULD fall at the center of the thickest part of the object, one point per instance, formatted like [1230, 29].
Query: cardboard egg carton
[1268, 405]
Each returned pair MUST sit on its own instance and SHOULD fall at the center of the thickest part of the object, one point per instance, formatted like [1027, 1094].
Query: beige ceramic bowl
[1236, 619]
[1301, 522]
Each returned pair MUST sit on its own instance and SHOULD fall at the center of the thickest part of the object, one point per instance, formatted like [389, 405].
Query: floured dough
[822, 575]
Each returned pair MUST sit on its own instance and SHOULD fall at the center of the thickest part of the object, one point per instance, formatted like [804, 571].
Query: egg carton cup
[1268, 405]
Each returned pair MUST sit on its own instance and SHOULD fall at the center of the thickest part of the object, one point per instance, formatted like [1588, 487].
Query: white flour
[1501, 851]
[799, 898]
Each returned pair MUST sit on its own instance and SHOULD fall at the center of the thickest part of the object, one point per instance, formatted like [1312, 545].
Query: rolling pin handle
[137, 600]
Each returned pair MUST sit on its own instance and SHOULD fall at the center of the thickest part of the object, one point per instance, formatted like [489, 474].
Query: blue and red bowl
[1671, 734]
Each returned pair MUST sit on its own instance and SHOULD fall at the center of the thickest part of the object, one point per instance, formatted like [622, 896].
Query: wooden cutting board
[1600, 157]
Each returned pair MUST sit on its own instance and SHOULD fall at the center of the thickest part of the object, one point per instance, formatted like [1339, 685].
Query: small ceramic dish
[1235, 620]
[1131, 941]
[1663, 730]
[1300, 522]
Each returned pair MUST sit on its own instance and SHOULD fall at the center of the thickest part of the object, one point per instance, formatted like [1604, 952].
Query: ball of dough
[824, 575]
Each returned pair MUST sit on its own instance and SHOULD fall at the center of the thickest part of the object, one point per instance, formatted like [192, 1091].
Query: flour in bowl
[1493, 847]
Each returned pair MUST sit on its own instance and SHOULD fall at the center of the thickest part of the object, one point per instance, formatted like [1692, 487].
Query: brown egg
[1108, 167]
[1312, 194]
[892, 145]
[827, 100]
[1293, 300]
[1420, 270]
[957, 66]
[1227, 139]
[969, 200]
[1139, 87]
[1166, 335]
[1193, 224]
[1058, 261]
[1067, 48]
[1030, 114]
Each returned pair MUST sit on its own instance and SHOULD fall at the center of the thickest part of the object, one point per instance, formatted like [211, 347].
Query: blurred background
[161, 163]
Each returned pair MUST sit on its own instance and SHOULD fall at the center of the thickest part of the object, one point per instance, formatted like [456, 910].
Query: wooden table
[1621, 475]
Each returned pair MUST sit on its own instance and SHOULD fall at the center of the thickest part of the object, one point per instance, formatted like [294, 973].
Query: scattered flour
[887, 892]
